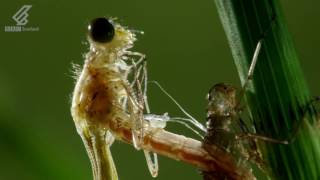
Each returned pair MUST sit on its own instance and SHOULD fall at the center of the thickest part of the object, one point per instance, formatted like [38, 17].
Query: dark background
[187, 53]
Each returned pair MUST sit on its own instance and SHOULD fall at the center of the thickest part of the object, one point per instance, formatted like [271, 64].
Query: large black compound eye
[101, 30]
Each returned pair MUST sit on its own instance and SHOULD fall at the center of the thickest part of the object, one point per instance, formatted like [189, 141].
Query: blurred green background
[187, 53]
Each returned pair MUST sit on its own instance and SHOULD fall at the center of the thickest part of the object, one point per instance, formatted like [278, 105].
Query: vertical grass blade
[278, 98]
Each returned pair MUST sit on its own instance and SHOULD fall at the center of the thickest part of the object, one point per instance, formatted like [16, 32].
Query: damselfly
[110, 101]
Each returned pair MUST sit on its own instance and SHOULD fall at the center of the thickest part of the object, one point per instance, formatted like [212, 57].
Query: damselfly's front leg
[139, 84]
[133, 102]
[153, 165]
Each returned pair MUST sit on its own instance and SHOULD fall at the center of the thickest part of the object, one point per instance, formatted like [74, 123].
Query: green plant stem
[278, 98]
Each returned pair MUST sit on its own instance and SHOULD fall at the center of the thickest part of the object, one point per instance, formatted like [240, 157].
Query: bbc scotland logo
[21, 19]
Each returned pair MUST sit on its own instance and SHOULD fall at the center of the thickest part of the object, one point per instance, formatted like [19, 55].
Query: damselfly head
[104, 33]
[222, 99]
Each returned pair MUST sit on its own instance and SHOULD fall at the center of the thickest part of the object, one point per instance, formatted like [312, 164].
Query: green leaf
[277, 98]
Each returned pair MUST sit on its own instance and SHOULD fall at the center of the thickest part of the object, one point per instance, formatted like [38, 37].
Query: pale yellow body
[102, 98]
